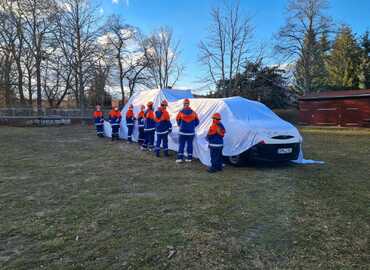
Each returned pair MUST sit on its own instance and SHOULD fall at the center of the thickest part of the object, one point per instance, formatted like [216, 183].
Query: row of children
[151, 123]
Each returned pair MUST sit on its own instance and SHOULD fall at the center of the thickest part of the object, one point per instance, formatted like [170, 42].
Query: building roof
[337, 94]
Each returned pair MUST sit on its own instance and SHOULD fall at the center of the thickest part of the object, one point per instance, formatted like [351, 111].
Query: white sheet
[246, 122]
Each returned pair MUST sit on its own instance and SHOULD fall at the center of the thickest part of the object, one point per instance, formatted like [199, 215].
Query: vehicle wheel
[237, 160]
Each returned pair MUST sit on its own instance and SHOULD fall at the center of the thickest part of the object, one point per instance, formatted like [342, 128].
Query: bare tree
[7, 41]
[102, 70]
[118, 36]
[12, 29]
[79, 27]
[29, 65]
[6, 62]
[38, 16]
[225, 50]
[298, 38]
[163, 57]
[140, 72]
[57, 77]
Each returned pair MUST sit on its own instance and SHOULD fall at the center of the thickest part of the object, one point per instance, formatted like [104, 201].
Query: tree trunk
[20, 82]
[29, 71]
[121, 77]
[38, 85]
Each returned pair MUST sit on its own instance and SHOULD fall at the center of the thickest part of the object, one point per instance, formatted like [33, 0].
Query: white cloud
[126, 2]
[101, 10]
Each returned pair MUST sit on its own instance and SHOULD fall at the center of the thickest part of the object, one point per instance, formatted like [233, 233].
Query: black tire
[238, 160]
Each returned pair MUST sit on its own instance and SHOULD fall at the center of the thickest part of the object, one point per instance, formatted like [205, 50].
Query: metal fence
[47, 112]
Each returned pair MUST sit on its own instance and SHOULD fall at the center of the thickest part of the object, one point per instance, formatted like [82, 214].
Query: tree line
[65, 50]
[326, 57]
[53, 51]
[318, 55]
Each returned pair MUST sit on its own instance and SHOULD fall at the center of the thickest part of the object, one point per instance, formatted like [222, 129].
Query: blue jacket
[140, 119]
[130, 118]
[187, 120]
[163, 122]
[98, 117]
[115, 117]
[149, 120]
[216, 134]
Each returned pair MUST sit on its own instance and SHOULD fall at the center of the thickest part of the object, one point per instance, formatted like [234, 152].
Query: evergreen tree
[324, 50]
[310, 69]
[344, 61]
[364, 72]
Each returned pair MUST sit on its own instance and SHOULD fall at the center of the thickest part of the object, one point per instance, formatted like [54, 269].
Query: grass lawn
[69, 200]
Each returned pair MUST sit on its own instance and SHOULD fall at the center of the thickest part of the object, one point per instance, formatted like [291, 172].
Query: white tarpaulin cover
[246, 122]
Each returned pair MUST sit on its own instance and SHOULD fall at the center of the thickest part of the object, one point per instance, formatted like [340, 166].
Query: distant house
[336, 108]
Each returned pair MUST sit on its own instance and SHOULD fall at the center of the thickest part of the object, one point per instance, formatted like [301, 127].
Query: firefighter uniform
[163, 128]
[140, 122]
[99, 122]
[115, 120]
[130, 122]
[149, 127]
[215, 139]
[187, 120]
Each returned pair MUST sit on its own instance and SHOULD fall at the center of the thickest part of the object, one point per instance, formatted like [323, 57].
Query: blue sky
[190, 18]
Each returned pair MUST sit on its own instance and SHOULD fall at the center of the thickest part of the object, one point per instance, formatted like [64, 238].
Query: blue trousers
[216, 158]
[99, 129]
[162, 139]
[115, 130]
[130, 131]
[149, 139]
[188, 141]
[141, 135]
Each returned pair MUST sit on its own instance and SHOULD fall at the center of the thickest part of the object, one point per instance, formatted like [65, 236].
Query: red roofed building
[336, 108]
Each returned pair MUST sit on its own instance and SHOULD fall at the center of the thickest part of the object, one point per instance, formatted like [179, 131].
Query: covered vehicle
[253, 131]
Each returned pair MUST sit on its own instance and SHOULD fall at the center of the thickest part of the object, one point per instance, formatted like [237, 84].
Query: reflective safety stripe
[130, 124]
[186, 134]
[215, 145]
[99, 132]
[161, 133]
[149, 129]
[141, 126]
[115, 124]
[99, 124]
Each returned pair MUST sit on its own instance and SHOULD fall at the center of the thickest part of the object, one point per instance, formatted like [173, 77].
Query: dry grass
[69, 200]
